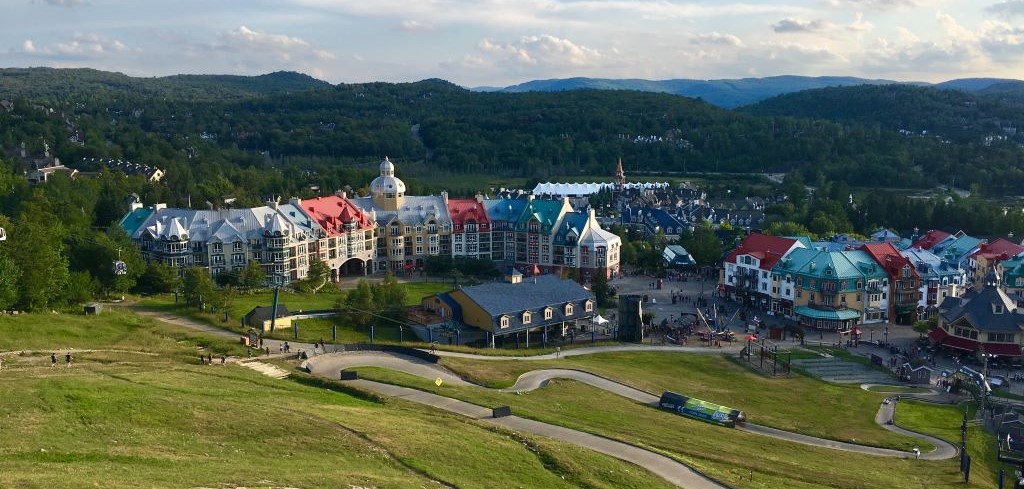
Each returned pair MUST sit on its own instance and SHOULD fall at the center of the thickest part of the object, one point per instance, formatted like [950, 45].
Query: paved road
[662, 466]
[735, 347]
[330, 364]
[943, 449]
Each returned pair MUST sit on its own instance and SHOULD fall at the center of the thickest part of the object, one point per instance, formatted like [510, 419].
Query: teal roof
[839, 315]
[958, 248]
[131, 221]
[903, 244]
[1012, 270]
[830, 264]
[867, 265]
[546, 211]
[802, 239]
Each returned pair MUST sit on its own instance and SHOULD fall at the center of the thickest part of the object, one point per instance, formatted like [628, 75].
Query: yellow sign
[438, 382]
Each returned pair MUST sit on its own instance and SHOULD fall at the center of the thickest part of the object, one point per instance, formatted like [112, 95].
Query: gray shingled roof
[978, 307]
[532, 294]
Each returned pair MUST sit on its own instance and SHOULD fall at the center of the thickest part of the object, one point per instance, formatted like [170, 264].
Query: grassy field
[796, 403]
[740, 459]
[310, 330]
[121, 418]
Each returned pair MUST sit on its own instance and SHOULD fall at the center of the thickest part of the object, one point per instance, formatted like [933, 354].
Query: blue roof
[572, 221]
[134, 219]
[504, 209]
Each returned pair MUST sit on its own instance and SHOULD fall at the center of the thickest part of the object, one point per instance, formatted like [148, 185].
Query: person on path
[268, 351]
[53, 359]
[209, 358]
[67, 358]
[223, 359]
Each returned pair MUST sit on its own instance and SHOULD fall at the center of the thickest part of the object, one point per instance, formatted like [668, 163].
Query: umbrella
[751, 337]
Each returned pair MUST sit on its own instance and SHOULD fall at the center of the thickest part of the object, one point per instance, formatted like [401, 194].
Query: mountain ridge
[735, 92]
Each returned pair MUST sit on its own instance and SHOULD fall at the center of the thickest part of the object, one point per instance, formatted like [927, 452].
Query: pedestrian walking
[67, 358]
[268, 351]
[209, 358]
[53, 359]
[223, 359]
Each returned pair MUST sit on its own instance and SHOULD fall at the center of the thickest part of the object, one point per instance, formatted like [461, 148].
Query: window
[568, 309]
[527, 317]
[548, 313]
[588, 306]
[764, 274]
[799, 293]
[503, 322]
[236, 246]
[217, 247]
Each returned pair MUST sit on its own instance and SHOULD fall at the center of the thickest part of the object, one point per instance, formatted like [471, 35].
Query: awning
[1003, 349]
[940, 336]
[839, 315]
[960, 343]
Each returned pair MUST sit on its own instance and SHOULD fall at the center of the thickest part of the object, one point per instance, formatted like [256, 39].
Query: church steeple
[620, 176]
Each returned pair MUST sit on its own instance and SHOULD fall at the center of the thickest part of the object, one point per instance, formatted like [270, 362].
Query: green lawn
[935, 420]
[739, 459]
[795, 403]
[124, 419]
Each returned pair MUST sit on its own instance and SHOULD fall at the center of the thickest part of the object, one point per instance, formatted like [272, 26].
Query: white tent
[598, 320]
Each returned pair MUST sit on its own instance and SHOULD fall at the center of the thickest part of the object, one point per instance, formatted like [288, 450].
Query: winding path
[331, 364]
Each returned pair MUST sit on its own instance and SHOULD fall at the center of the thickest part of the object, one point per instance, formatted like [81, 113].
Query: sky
[503, 42]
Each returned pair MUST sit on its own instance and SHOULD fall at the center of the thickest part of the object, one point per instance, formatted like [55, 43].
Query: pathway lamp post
[887, 335]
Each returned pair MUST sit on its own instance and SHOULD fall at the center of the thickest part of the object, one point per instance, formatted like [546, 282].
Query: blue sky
[501, 42]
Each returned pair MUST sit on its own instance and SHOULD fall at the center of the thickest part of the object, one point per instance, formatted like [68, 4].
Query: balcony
[874, 287]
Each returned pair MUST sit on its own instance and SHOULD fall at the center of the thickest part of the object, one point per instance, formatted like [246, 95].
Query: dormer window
[997, 308]
[589, 306]
[527, 317]
[548, 312]
[503, 322]
[568, 309]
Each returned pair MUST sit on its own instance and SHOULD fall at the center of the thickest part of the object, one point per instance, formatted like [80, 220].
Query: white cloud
[66, 3]
[280, 47]
[80, 46]
[717, 38]
[1008, 8]
[542, 50]
[415, 26]
[879, 4]
[798, 25]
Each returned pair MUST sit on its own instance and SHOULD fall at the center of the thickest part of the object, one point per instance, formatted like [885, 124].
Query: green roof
[840, 315]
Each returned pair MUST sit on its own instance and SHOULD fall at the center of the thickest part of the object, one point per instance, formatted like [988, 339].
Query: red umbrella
[751, 338]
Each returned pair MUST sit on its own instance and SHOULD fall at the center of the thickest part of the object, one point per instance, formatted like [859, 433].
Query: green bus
[702, 410]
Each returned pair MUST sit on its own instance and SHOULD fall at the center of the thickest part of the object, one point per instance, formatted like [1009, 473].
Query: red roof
[334, 212]
[1004, 349]
[930, 239]
[999, 248]
[889, 258]
[465, 210]
[768, 249]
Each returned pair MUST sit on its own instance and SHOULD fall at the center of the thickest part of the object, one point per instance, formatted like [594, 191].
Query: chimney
[479, 198]
[444, 196]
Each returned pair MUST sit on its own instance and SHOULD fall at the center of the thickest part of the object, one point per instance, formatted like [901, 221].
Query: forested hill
[954, 115]
[726, 93]
[256, 136]
[53, 84]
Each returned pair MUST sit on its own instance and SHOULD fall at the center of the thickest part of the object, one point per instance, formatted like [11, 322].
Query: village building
[409, 228]
[543, 306]
[349, 245]
[904, 281]
[984, 321]
[746, 276]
